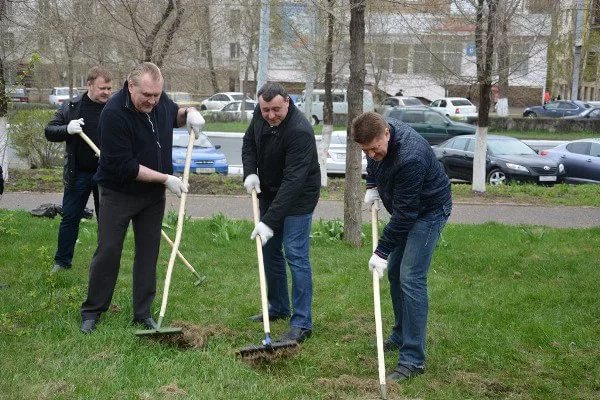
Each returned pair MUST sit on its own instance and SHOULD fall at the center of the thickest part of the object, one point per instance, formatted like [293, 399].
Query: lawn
[50, 180]
[514, 315]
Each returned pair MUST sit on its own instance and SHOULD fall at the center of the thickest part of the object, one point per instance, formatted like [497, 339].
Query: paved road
[239, 207]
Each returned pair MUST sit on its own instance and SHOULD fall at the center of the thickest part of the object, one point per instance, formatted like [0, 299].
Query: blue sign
[470, 50]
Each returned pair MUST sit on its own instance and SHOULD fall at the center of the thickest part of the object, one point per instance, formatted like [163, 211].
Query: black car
[507, 159]
[557, 109]
[590, 113]
[430, 124]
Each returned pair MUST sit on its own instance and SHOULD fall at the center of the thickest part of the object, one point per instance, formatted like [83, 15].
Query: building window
[519, 60]
[235, 20]
[400, 58]
[438, 58]
[234, 51]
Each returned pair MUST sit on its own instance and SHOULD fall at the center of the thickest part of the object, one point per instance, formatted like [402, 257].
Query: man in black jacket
[80, 160]
[404, 174]
[279, 156]
[136, 133]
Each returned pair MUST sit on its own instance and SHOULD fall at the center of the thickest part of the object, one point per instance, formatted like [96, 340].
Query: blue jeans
[408, 265]
[292, 245]
[74, 201]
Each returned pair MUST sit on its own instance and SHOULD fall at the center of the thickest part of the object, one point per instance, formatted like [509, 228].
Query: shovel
[199, 279]
[159, 331]
[268, 346]
[377, 307]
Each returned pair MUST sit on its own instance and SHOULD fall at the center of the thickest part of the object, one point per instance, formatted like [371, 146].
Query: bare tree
[328, 103]
[485, 30]
[134, 17]
[352, 201]
[207, 45]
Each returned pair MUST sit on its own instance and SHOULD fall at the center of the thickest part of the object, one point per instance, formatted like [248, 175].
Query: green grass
[514, 315]
[545, 135]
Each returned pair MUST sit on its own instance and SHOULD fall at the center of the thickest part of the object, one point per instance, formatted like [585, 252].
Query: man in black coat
[80, 160]
[405, 176]
[279, 155]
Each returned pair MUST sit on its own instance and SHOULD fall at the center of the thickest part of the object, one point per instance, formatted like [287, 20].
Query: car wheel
[314, 121]
[203, 107]
[531, 115]
[496, 177]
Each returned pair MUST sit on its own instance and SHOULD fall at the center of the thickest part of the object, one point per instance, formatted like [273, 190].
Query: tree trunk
[503, 67]
[164, 50]
[352, 198]
[207, 42]
[328, 104]
[484, 44]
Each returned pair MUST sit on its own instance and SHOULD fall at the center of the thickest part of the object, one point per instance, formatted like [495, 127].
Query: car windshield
[509, 147]
[250, 106]
[64, 92]
[411, 102]
[461, 102]
[237, 96]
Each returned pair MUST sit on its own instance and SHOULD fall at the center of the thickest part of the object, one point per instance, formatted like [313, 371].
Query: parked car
[590, 113]
[556, 109]
[507, 159]
[430, 124]
[219, 100]
[60, 94]
[235, 106]
[340, 103]
[455, 107]
[206, 157]
[336, 159]
[16, 94]
[183, 99]
[395, 101]
[581, 159]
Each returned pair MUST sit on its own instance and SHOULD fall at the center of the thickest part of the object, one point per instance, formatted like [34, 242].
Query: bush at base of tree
[26, 135]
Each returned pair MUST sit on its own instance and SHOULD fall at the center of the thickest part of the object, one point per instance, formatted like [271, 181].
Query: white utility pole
[263, 44]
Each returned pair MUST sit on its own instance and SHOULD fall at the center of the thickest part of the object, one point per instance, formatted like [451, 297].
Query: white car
[336, 154]
[60, 94]
[455, 108]
[234, 107]
[395, 101]
[219, 100]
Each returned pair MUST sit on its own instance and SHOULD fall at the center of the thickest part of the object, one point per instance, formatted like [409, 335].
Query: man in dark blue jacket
[136, 134]
[404, 174]
[80, 160]
[279, 155]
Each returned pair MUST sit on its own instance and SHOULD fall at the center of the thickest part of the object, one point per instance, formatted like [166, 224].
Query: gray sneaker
[402, 373]
[58, 268]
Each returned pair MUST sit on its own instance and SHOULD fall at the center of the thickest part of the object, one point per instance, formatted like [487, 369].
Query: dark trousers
[116, 211]
[74, 200]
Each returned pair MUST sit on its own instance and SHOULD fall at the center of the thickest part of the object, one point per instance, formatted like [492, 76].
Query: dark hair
[98, 72]
[367, 127]
[270, 90]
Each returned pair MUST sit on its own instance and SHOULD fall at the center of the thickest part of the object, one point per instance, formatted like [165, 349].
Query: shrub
[26, 134]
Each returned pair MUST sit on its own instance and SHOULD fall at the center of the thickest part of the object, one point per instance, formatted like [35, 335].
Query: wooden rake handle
[261, 268]
[377, 306]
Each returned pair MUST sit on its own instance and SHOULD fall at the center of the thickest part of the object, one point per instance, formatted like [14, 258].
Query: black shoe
[390, 345]
[402, 373]
[88, 325]
[148, 323]
[259, 317]
[296, 334]
[57, 268]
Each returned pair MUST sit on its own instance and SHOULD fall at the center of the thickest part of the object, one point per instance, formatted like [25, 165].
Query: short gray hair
[270, 90]
[145, 68]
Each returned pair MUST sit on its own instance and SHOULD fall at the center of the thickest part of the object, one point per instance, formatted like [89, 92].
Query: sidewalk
[239, 207]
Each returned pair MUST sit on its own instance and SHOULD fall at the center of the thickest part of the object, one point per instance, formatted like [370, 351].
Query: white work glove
[194, 121]
[252, 182]
[74, 126]
[263, 231]
[175, 185]
[377, 263]
[372, 197]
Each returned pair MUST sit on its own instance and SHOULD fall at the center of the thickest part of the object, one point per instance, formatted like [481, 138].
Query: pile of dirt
[192, 337]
